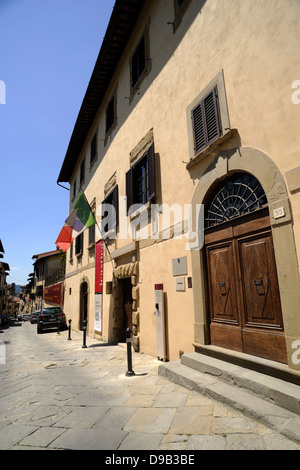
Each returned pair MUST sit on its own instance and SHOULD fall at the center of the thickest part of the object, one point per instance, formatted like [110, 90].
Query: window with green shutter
[140, 180]
[79, 244]
[180, 7]
[138, 62]
[110, 217]
[206, 121]
[93, 153]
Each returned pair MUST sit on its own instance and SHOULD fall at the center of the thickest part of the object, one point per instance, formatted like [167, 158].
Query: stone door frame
[264, 169]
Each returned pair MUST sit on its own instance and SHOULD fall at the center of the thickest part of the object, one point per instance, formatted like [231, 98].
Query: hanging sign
[99, 267]
[98, 285]
[54, 294]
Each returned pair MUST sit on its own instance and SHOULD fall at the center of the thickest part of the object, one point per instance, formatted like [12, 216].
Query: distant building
[4, 272]
[190, 103]
[49, 274]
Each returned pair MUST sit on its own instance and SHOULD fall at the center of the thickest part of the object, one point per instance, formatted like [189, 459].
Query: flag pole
[105, 242]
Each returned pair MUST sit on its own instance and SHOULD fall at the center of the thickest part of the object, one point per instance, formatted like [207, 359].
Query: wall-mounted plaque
[179, 266]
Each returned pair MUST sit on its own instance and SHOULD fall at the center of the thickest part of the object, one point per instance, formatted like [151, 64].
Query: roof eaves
[122, 22]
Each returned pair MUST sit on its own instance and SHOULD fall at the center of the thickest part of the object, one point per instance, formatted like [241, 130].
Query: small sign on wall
[180, 284]
[179, 266]
[278, 213]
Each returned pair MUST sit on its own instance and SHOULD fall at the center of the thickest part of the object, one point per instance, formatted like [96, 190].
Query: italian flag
[80, 219]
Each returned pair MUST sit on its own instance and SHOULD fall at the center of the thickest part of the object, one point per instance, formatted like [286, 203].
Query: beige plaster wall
[255, 43]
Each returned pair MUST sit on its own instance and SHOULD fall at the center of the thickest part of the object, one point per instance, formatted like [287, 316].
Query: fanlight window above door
[236, 196]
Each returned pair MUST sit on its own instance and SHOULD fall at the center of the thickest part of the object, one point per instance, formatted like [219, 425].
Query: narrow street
[57, 395]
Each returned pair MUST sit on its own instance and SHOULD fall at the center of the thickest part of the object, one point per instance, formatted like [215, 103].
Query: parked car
[24, 317]
[34, 316]
[51, 317]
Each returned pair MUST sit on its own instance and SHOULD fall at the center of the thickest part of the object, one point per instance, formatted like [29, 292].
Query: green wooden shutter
[151, 173]
[115, 203]
[206, 121]
[129, 188]
[198, 128]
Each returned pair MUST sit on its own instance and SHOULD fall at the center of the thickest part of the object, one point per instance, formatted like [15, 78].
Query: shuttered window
[92, 235]
[82, 172]
[110, 220]
[138, 62]
[79, 244]
[93, 148]
[110, 114]
[140, 180]
[206, 121]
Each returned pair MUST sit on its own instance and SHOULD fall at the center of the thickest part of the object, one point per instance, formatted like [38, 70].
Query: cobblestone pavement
[56, 395]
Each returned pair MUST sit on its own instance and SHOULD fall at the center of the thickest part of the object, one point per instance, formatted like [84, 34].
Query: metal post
[84, 334]
[69, 336]
[129, 372]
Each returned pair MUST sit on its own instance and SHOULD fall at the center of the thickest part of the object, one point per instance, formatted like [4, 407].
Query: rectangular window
[71, 251]
[206, 121]
[110, 114]
[92, 229]
[180, 7]
[111, 216]
[93, 148]
[82, 172]
[79, 244]
[140, 180]
[92, 235]
[138, 62]
[39, 291]
[74, 188]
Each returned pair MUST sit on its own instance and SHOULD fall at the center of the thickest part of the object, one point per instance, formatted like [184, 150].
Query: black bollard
[84, 334]
[69, 335]
[129, 372]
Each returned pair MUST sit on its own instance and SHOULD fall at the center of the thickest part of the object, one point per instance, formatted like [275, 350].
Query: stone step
[253, 404]
[272, 389]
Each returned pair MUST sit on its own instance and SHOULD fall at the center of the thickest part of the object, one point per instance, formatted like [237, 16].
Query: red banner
[55, 294]
[99, 267]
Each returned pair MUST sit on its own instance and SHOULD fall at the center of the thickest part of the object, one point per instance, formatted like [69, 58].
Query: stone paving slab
[279, 419]
[55, 395]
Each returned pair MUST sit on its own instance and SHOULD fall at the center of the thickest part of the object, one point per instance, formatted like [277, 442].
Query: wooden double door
[244, 300]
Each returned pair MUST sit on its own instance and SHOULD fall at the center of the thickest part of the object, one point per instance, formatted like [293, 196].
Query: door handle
[259, 284]
[222, 287]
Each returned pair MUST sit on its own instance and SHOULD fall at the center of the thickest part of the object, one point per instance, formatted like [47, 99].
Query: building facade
[4, 272]
[189, 129]
[48, 280]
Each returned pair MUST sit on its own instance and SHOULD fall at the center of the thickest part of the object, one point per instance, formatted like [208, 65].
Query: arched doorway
[243, 301]
[83, 304]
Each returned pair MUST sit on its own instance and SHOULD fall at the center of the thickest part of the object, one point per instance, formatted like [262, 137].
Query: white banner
[98, 312]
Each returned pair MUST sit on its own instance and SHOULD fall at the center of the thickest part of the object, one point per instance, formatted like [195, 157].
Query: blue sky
[48, 50]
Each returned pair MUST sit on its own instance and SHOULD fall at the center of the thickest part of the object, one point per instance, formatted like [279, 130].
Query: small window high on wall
[208, 118]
